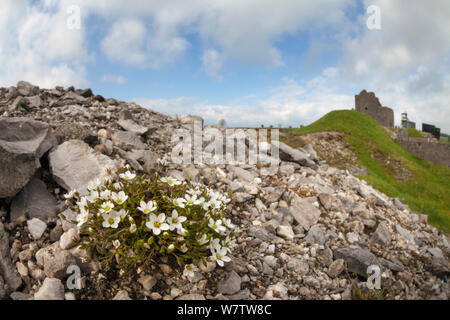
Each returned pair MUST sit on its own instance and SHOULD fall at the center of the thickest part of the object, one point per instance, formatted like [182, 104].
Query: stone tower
[368, 103]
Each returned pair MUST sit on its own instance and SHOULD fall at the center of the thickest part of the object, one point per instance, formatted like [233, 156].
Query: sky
[250, 62]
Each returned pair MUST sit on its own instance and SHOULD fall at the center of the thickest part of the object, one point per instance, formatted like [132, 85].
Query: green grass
[414, 133]
[445, 139]
[427, 191]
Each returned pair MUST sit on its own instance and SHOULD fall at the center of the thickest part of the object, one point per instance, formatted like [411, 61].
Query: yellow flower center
[156, 224]
[111, 221]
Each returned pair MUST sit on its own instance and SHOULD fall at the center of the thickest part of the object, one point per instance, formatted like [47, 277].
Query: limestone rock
[22, 143]
[34, 201]
[74, 164]
[51, 289]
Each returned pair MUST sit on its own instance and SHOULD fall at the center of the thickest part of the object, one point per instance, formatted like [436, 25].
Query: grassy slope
[414, 133]
[428, 191]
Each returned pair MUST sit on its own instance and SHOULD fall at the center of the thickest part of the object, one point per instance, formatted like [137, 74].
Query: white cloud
[212, 63]
[114, 79]
[36, 45]
[288, 104]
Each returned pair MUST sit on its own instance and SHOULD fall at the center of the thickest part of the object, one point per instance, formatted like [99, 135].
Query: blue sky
[249, 62]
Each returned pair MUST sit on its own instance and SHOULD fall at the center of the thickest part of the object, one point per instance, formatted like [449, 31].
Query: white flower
[106, 207]
[184, 248]
[116, 244]
[110, 220]
[175, 221]
[179, 202]
[192, 200]
[228, 244]
[216, 225]
[133, 228]
[171, 247]
[214, 245]
[118, 186]
[171, 181]
[105, 195]
[83, 217]
[157, 224]
[228, 224]
[70, 194]
[119, 198]
[203, 240]
[127, 176]
[189, 270]
[93, 196]
[220, 256]
[122, 213]
[162, 162]
[82, 204]
[94, 184]
[147, 207]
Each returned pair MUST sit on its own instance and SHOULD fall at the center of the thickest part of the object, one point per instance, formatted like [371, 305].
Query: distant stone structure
[425, 148]
[436, 132]
[368, 103]
[406, 123]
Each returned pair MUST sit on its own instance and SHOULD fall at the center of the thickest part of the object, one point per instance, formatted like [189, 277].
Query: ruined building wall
[425, 148]
[368, 103]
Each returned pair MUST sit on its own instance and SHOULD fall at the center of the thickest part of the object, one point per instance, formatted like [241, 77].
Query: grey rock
[231, 284]
[315, 235]
[286, 153]
[260, 233]
[20, 296]
[405, 234]
[326, 200]
[285, 232]
[336, 268]
[310, 150]
[36, 227]
[147, 282]
[436, 252]
[74, 164]
[191, 173]
[34, 101]
[22, 144]
[127, 140]
[51, 289]
[55, 260]
[394, 266]
[34, 201]
[357, 259]
[131, 126]
[382, 235]
[7, 269]
[304, 212]
[27, 89]
[69, 239]
[242, 174]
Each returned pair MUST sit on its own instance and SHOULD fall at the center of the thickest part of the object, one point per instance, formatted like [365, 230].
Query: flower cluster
[131, 218]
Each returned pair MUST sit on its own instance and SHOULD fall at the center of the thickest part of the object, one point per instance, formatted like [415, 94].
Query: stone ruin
[368, 103]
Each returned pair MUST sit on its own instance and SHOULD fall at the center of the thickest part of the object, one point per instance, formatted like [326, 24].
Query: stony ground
[306, 229]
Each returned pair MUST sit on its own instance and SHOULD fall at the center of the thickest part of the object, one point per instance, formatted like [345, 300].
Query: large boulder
[289, 154]
[74, 164]
[22, 143]
[7, 269]
[128, 140]
[34, 201]
[357, 259]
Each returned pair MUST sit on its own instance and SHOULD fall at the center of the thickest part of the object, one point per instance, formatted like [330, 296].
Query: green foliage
[414, 133]
[425, 192]
[130, 219]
